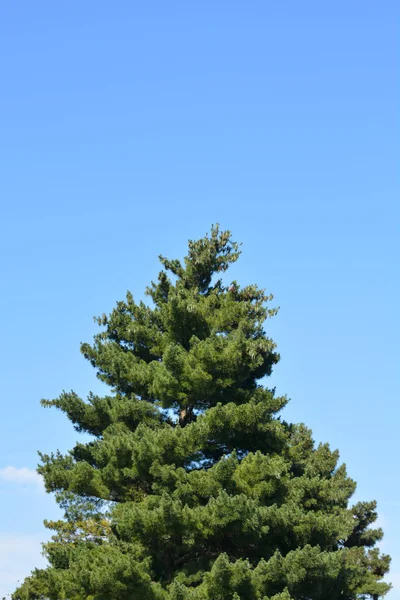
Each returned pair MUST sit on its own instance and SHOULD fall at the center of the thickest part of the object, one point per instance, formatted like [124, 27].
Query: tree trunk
[185, 415]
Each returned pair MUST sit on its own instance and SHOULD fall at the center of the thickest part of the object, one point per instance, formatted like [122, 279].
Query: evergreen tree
[192, 486]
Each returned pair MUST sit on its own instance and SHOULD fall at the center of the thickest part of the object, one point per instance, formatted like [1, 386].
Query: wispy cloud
[21, 475]
[19, 554]
[380, 522]
[394, 579]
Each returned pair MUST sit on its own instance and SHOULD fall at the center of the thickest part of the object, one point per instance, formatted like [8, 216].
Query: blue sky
[128, 128]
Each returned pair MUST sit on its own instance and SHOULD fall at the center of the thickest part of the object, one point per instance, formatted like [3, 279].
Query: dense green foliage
[192, 487]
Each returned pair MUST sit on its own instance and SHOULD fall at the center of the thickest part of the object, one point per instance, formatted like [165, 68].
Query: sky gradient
[128, 128]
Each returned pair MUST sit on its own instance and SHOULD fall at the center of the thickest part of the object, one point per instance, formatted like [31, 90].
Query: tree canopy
[193, 486]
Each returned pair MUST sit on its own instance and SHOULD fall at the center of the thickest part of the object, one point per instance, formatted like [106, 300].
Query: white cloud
[21, 475]
[19, 554]
[380, 522]
[394, 579]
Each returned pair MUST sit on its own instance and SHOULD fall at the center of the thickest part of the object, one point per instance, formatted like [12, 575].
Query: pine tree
[192, 486]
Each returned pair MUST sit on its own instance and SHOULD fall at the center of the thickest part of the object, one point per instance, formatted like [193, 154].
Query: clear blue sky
[127, 128]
